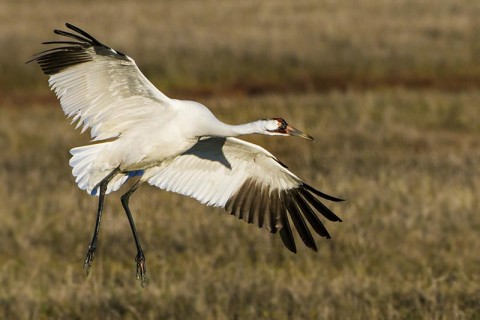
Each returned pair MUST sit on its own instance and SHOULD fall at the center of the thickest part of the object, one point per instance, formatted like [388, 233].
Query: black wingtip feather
[321, 194]
[84, 33]
[298, 222]
[287, 239]
[65, 42]
[320, 207]
[286, 232]
[312, 218]
[254, 202]
[57, 59]
[72, 35]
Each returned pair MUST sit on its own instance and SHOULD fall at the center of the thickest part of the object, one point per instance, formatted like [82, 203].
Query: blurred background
[390, 91]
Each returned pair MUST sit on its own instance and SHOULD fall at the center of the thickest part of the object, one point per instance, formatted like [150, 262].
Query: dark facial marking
[282, 125]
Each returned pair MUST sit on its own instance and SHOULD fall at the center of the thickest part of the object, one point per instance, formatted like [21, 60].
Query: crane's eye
[282, 125]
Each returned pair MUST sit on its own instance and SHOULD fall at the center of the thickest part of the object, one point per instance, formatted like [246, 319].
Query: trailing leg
[93, 244]
[140, 258]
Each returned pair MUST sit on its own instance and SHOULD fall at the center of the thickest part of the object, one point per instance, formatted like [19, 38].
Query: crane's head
[280, 127]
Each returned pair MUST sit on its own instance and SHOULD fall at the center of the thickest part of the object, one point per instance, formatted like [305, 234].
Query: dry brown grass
[257, 46]
[405, 160]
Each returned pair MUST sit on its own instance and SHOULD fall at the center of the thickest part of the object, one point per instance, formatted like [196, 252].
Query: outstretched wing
[99, 87]
[250, 183]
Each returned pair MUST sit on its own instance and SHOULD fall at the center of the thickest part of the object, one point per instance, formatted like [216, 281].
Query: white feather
[217, 168]
[105, 92]
[87, 176]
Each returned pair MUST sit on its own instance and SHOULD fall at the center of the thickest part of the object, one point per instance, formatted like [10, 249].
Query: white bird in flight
[176, 145]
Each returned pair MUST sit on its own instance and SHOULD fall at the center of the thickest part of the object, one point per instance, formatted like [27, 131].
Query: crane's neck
[205, 124]
[221, 129]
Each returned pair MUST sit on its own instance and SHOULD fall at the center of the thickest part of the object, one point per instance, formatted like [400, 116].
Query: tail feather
[86, 176]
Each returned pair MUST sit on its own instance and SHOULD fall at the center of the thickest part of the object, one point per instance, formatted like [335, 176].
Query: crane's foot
[89, 258]
[141, 267]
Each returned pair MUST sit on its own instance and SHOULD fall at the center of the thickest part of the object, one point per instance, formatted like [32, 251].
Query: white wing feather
[99, 87]
[107, 95]
[215, 168]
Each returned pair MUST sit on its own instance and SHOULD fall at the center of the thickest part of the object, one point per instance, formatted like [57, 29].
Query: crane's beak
[295, 132]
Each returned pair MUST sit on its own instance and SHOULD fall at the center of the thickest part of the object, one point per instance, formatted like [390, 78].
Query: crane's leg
[140, 258]
[93, 244]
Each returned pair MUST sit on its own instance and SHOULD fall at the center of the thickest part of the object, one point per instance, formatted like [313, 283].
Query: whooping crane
[176, 145]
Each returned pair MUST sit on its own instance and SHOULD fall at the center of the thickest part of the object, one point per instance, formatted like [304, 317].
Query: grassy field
[388, 89]
[261, 46]
[406, 161]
